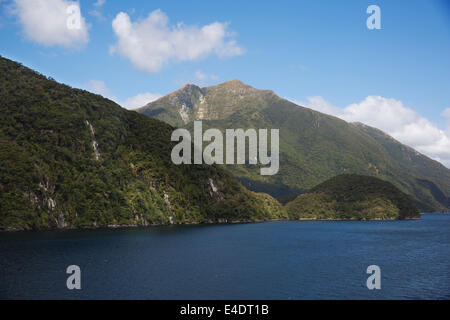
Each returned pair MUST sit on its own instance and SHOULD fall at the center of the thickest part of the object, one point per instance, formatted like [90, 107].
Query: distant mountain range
[70, 158]
[313, 146]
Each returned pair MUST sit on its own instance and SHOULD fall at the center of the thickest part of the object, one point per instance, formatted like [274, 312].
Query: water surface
[273, 260]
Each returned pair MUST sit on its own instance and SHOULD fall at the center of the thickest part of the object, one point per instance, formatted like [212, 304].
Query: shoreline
[124, 226]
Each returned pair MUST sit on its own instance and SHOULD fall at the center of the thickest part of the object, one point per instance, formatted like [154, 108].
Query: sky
[319, 54]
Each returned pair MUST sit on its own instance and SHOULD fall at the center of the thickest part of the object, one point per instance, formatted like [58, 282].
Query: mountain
[414, 161]
[356, 197]
[313, 146]
[70, 158]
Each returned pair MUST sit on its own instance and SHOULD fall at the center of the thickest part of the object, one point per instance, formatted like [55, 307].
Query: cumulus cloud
[52, 22]
[392, 117]
[150, 44]
[141, 99]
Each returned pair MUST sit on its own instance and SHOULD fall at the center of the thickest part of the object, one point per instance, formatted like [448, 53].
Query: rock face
[353, 197]
[194, 103]
[313, 146]
[70, 158]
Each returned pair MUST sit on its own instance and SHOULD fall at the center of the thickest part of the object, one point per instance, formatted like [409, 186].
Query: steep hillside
[437, 176]
[69, 158]
[313, 146]
[355, 197]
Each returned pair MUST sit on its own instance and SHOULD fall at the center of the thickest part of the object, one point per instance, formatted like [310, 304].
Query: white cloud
[150, 44]
[392, 117]
[99, 87]
[140, 100]
[46, 22]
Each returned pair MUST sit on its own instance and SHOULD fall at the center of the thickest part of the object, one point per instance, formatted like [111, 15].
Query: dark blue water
[274, 260]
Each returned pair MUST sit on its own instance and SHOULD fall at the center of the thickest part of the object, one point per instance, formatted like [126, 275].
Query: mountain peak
[188, 86]
[234, 83]
[191, 102]
[237, 84]
[237, 88]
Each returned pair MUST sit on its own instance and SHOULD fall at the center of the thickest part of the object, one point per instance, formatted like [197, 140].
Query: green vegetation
[354, 197]
[51, 176]
[313, 146]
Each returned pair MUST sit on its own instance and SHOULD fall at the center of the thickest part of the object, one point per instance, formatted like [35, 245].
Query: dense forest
[70, 158]
[351, 196]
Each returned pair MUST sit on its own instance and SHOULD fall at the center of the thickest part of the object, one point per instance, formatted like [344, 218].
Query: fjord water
[272, 260]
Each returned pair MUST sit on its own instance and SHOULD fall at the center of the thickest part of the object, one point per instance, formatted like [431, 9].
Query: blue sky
[318, 53]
